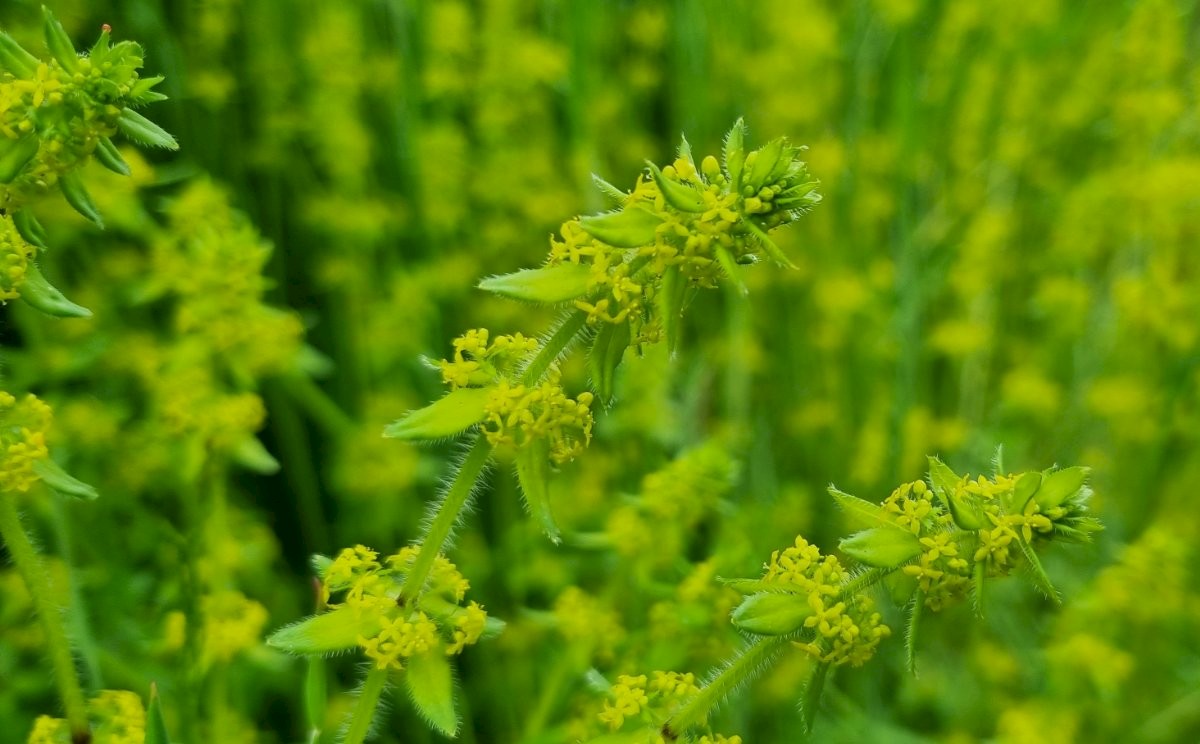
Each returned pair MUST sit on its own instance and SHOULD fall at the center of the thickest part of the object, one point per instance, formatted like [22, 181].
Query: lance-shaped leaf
[768, 613]
[912, 630]
[859, 512]
[251, 454]
[550, 285]
[30, 229]
[608, 348]
[58, 42]
[451, 414]
[810, 700]
[156, 725]
[1061, 486]
[63, 482]
[734, 153]
[773, 251]
[763, 162]
[1037, 574]
[612, 192]
[42, 295]
[943, 480]
[71, 185]
[732, 271]
[533, 473]
[629, 228]
[684, 198]
[143, 131]
[884, 547]
[1023, 490]
[14, 59]
[316, 693]
[979, 580]
[107, 155]
[329, 632]
[142, 92]
[430, 684]
[15, 154]
[670, 298]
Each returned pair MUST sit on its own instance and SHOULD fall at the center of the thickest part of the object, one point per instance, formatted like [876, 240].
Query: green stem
[29, 565]
[560, 340]
[364, 709]
[448, 512]
[739, 670]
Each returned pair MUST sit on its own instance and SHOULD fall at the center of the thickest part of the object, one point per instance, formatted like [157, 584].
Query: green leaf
[156, 726]
[754, 586]
[684, 198]
[316, 693]
[810, 701]
[608, 349]
[734, 153]
[769, 613]
[1061, 486]
[550, 285]
[430, 684]
[533, 473]
[670, 298]
[107, 155]
[58, 42]
[143, 131]
[732, 271]
[141, 94]
[30, 229]
[329, 632]
[1023, 490]
[63, 482]
[764, 160]
[631, 227]
[913, 630]
[884, 547]
[943, 480]
[773, 251]
[612, 192]
[452, 414]
[42, 295]
[250, 453]
[71, 185]
[16, 154]
[1040, 578]
[979, 577]
[14, 58]
[859, 512]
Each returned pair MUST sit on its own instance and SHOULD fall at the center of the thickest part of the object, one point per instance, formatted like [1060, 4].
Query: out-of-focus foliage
[1005, 254]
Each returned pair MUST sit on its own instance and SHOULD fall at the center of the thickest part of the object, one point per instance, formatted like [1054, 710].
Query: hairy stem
[364, 708]
[448, 512]
[29, 565]
[560, 340]
[742, 668]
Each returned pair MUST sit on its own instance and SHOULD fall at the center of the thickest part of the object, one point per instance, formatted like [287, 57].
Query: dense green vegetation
[390, 371]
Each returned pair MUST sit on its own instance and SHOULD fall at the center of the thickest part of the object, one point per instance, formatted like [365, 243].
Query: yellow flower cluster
[232, 624]
[23, 426]
[516, 414]
[117, 717]
[700, 222]
[585, 621]
[652, 700]
[847, 630]
[438, 622]
[15, 255]
[480, 361]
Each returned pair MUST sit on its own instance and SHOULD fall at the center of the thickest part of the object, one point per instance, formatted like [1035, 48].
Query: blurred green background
[1006, 254]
